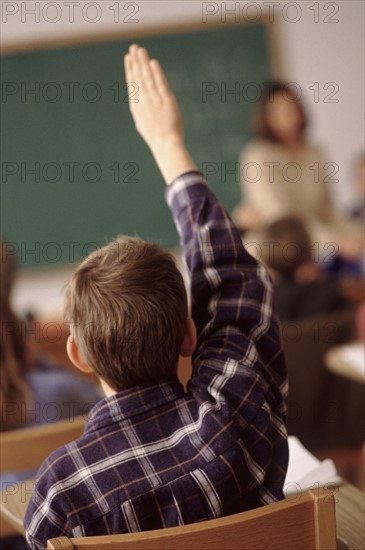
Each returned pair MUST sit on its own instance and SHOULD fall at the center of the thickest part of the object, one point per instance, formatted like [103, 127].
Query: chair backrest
[26, 448]
[323, 408]
[305, 523]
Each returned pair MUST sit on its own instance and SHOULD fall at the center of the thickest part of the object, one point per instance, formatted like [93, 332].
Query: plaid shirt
[156, 456]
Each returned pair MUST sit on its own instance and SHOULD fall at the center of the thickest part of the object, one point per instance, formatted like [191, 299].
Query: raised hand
[156, 113]
[154, 107]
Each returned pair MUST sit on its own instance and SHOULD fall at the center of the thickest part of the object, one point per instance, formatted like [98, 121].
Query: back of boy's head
[127, 306]
[287, 246]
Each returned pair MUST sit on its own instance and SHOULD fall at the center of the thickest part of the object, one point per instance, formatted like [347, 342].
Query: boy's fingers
[159, 76]
[144, 63]
[131, 79]
[128, 67]
[133, 48]
[131, 64]
[135, 63]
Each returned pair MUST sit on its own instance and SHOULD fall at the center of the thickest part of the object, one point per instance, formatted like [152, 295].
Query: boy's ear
[189, 343]
[76, 356]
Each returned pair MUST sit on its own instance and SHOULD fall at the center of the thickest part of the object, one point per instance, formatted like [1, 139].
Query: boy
[153, 456]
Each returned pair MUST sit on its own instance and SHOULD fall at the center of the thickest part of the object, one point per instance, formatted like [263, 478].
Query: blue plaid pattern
[156, 456]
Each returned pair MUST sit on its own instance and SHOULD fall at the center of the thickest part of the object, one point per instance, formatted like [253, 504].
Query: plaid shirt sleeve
[239, 346]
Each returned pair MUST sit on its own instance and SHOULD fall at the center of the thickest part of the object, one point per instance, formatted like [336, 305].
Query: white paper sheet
[305, 471]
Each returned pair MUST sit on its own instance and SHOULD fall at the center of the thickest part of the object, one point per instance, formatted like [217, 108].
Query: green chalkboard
[74, 172]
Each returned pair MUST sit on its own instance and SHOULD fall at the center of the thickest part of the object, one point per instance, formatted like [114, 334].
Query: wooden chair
[26, 448]
[305, 523]
[324, 410]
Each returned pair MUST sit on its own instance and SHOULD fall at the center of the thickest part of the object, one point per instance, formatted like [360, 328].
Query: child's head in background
[127, 306]
[287, 248]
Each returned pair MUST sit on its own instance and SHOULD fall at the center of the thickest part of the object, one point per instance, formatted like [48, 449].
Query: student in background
[153, 455]
[283, 174]
[33, 390]
[301, 287]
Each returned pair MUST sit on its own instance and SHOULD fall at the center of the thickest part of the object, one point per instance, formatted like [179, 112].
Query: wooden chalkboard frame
[271, 27]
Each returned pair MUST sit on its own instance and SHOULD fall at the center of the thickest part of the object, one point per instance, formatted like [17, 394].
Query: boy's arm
[238, 357]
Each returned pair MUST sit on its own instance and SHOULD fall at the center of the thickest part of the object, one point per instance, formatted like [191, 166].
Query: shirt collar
[131, 402]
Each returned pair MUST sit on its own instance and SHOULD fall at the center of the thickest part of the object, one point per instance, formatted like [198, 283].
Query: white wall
[331, 53]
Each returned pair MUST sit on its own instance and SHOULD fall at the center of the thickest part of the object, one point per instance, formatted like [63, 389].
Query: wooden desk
[347, 361]
[14, 501]
[350, 512]
[350, 516]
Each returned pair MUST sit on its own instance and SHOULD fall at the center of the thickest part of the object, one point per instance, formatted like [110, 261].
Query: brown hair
[7, 269]
[261, 127]
[127, 306]
[287, 246]
[15, 358]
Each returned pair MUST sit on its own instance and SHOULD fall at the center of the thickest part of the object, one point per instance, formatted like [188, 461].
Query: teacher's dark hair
[261, 127]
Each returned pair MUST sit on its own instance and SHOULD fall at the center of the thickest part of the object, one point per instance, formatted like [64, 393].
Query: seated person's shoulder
[63, 392]
[298, 300]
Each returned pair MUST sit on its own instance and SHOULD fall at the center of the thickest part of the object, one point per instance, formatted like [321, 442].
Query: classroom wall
[321, 45]
[331, 53]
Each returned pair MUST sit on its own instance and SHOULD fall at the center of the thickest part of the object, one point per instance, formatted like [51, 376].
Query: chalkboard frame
[83, 39]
